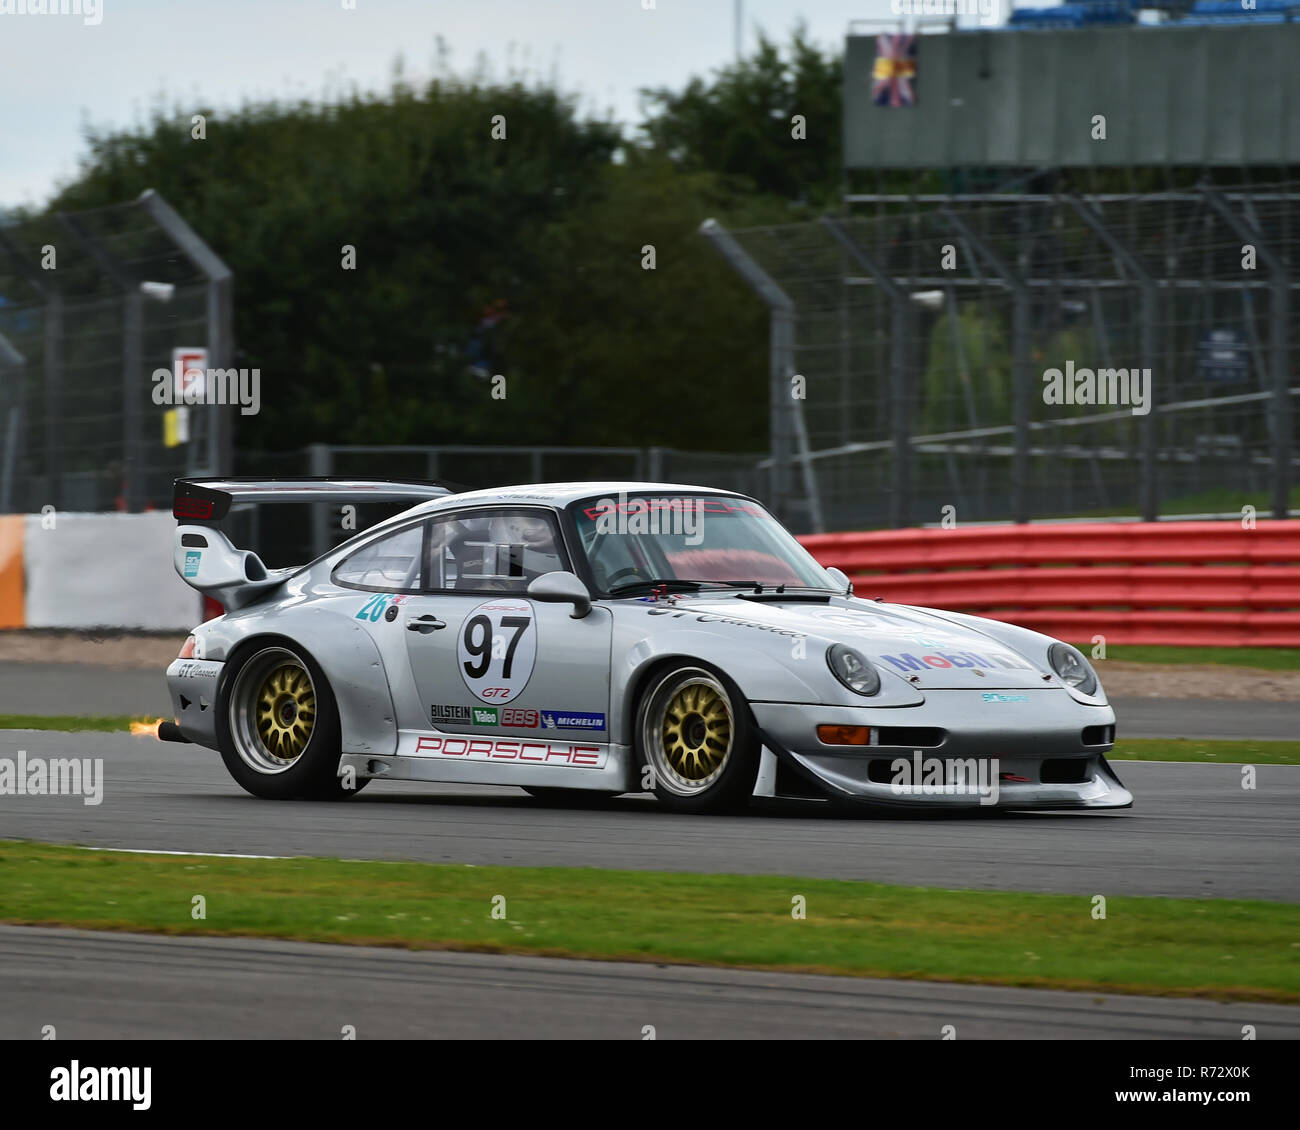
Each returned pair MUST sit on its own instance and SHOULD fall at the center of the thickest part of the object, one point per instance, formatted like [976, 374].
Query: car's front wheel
[695, 736]
[278, 727]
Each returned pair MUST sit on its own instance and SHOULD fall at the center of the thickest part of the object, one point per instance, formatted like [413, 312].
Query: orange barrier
[12, 605]
[1199, 584]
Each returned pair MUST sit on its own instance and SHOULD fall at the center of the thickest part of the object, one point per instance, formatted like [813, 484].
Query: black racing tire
[695, 734]
[277, 696]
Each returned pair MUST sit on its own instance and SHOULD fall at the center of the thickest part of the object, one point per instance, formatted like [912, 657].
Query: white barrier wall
[105, 570]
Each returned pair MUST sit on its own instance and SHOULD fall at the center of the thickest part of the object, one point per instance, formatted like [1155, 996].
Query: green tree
[443, 219]
[740, 123]
[446, 220]
[619, 353]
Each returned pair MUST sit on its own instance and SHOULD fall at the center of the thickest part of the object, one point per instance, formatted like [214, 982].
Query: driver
[532, 544]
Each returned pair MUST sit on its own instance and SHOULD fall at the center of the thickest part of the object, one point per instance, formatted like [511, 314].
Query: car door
[488, 662]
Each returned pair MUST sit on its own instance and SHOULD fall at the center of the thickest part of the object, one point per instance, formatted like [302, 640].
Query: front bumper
[960, 750]
[192, 684]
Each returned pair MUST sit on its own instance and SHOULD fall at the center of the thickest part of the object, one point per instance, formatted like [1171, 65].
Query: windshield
[633, 540]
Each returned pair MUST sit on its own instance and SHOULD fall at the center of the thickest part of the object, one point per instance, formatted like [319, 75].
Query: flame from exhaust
[143, 729]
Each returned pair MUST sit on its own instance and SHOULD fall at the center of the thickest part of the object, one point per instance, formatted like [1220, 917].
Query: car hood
[924, 649]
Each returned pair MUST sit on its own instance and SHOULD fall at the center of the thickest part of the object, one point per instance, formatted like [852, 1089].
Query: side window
[492, 550]
[392, 562]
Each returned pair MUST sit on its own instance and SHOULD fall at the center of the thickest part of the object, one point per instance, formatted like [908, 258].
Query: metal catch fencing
[92, 305]
[1021, 356]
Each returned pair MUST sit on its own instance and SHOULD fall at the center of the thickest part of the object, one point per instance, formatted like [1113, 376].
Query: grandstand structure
[1077, 190]
[1182, 13]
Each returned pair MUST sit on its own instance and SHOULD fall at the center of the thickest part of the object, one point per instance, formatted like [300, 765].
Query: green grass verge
[1219, 948]
[1263, 658]
[1227, 753]
[68, 722]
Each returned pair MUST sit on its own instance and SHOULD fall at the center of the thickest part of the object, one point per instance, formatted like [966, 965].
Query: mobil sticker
[963, 668]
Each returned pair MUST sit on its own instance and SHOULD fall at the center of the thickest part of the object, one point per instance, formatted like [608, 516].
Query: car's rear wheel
[278, 727]
[695, 735]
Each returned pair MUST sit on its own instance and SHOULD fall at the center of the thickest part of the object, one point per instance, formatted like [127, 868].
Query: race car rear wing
[205, 559]
[207, 501]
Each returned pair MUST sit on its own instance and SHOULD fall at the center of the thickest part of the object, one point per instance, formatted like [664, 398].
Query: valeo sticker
[485, 715]
[497, 648]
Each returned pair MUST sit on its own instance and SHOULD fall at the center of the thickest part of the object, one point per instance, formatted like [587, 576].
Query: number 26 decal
[374, 608]
[497, 649]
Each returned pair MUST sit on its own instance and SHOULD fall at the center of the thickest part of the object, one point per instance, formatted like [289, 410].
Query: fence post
[321, 460]
[1021, 349]
[900, 391]
[1279, 293]
[11, 419]
[132, 331]
[132, 430]
[220, 318]
[784, 410]
[52, 363]
[1149, 492]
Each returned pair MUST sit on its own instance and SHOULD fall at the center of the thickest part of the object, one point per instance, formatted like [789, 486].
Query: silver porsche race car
[588, 639]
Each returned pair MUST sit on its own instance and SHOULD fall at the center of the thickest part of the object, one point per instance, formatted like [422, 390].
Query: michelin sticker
[572, 720]
[497, 649]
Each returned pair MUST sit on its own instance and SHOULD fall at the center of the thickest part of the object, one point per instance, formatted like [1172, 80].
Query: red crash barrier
[1199, 584]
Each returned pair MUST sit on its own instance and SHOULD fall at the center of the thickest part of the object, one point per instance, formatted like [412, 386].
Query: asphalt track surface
[70, 688]
[130, 986]
[1193, 832]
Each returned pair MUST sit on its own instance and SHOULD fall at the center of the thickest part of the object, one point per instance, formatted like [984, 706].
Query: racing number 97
[481, 649]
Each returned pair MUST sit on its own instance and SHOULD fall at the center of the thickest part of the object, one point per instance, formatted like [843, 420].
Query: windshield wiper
[659, 582]
[681, 584]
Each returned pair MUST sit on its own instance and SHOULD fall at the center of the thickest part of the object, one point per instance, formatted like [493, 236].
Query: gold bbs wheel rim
[272, 710]
[286, 711]
[688, 731]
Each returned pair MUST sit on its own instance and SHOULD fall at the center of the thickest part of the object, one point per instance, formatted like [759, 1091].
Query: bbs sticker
[497, 649]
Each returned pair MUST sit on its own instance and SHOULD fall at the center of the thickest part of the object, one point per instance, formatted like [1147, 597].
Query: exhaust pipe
[170, 732]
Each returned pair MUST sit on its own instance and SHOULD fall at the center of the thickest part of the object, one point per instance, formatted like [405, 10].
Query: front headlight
[1072, 668]
[852, 669]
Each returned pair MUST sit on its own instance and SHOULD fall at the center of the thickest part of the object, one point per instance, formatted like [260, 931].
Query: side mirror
[562, 588]
[840, 579]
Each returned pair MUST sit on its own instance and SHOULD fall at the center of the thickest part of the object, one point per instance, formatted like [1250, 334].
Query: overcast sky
[57, 71]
